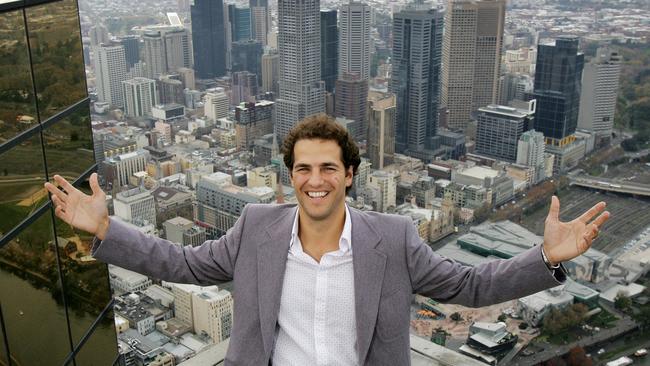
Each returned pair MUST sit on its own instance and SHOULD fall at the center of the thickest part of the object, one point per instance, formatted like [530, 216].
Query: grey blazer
[390, 264]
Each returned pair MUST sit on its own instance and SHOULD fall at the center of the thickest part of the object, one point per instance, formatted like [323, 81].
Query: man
[321, 283]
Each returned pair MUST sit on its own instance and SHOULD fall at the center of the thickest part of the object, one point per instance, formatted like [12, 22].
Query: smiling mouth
[317, 195]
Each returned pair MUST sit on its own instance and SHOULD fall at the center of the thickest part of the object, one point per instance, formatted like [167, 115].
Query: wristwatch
[550, 266]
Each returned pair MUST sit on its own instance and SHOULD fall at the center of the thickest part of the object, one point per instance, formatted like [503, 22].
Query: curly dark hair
[322, 127]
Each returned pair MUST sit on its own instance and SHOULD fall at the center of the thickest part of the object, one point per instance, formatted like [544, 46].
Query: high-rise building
[417, 42]
[208, 38]
[131, 44]
[557, 89]
[243, 88]
[600, 80]
[166, 50]
[514, 88]
[386, 183]
[175, 227]
[240, 23]
[247, 56]
[154, 54]
[329, 48]
[139, 96]
[212, 313]
[170, 89]
[355, 44]
[471, 57]
[271, 72]
[110, 71]
[351, 99]
[178, 49]
[499, 129]
[521, 61]
[302, 93]
[530, 152]
[252, 122]
[382, 111]
[260, 20]
[54, 310]
[119, 168]
[136, 206]
[187, 77]
[216, 104]
[98, 35]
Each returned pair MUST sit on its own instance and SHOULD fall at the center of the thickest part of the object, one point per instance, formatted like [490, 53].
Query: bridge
[610, 185]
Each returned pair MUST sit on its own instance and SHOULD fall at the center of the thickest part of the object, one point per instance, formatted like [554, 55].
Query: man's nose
[315, 178]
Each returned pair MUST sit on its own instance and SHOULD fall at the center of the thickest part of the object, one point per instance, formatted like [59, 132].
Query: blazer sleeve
[445, 280]
[208, 264]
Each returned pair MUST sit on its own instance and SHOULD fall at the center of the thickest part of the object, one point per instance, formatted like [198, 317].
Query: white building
[123, 166]
[530, 152]
[600, 80]
[140, 95]
[212, 311]
[175, 227]
[386, 183]
[122, 280]
[110, 71]
[135, 205]
[216, 104]
[165, 130]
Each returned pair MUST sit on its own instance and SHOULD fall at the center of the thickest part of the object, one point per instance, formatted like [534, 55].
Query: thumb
[554, 211]
[94, 184]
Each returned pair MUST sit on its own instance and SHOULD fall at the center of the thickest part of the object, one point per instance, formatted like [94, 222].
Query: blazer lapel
[369, 265]
[271, 264]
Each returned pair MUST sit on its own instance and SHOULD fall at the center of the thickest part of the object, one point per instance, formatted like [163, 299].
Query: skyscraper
[55, 308]
[240, 23]
[499, 129]
[131, 45]
[271, 72]
[381, 128]
[260, 23]
[557, 89]
[351, 99]
[329, 49]
[355, 43]
[417, 41]
[243, 87]
[247, 56]
[600, 81]
[154, 54]
[471, 57]
[216, 104]
[136, 205]
[301, 88]
[208, 38]
[530, 152]
[110, 71]
[139, 96]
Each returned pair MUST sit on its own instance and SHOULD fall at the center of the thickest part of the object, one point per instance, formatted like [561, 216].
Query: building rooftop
[480, 172]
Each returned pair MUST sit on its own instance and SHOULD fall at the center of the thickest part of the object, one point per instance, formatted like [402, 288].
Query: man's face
[319, 177]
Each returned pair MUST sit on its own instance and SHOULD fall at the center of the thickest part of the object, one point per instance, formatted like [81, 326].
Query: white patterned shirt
[316, 322]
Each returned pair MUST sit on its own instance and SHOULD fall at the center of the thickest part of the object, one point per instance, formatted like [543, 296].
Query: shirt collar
[345, 241]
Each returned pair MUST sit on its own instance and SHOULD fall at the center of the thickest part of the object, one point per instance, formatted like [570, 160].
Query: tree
[622, 301]
[456, 317]
[502, 318]
[578, 357]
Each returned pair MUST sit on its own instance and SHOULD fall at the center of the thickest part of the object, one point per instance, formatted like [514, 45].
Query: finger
[94, 184]
[596, 209]
[56, 192]
[58, 211]
[554, 211]
[69, 188]
[58, 203]
[600, 220]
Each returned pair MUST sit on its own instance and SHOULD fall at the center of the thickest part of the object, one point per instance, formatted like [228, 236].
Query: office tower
[175, 227]
[51, 302]
[244, 87]
[170, 89]
[240, 23]
[131, 44]
[499, 129]
[514, 87]
[301, 88]
[178, 51]
[355, 44]
[208, 38]
[351, 99]
[415, 80]
[110, 71]
[247, 56]
[136, 206]
[471, 57]
[271, 72]
[386, 183]
[329, 48]
[382, 112]
[600, 80]
[119, 168]
[98, 35]
[260, 24]
[164, 131]
[530, 152]
[216, 104]
[252, 122]
[139, 96]
[557, 89]
[154, 54]
[220, 203]
[521, 61]
[187, 77]
[212, 313]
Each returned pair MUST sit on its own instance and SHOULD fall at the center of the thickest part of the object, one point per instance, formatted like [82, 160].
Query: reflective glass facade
[55, 303]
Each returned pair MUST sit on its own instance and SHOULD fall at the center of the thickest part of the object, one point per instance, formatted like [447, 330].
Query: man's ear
[349, 176]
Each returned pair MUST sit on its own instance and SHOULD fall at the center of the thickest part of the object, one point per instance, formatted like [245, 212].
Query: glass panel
[69, 145]
[3, 351]
[101, 348]
[86, 280]
[22, 175]
[30, 292]
[57, 57]
[17, 104]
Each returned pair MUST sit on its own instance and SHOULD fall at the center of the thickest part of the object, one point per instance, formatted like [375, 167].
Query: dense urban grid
[470, 115]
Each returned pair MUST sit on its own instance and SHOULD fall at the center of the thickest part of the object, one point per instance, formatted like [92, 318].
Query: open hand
[88, 213]
[566, 240]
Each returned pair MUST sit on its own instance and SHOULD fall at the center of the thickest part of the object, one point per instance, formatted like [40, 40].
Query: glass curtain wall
[55, 302]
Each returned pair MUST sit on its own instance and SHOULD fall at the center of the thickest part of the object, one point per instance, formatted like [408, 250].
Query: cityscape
[469, 114]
